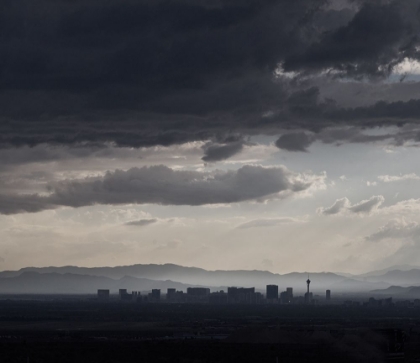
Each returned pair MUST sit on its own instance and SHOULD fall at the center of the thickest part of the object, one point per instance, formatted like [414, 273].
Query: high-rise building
[328, 294]
[170, 293]
[103, 294]
[272, 292]
[219, 297]
[198, 294]
[198, 291]
[139, 298]
[155, 294]
[241, 295]
[286, 297]
[124, 295]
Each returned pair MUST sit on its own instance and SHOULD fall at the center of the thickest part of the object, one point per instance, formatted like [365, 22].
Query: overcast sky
[224, 134]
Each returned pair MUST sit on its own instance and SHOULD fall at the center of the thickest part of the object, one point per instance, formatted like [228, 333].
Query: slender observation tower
[307, 284]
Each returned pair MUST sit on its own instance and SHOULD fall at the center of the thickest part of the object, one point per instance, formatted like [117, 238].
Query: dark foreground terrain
[84, 330]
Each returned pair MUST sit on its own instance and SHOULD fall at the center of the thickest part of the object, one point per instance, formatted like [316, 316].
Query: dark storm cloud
[294, 142]
[138, 72]
[165, 186]
[221, 152]
[31, 203]
[144, 73]
[381, 34]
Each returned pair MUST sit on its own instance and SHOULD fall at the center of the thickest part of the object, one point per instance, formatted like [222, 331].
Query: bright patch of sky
[210, 237]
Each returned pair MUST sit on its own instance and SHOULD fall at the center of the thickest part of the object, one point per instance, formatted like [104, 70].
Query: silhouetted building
[299, 300]
[388, 302]
[257, 298]
[286, 297]
[153, 296]
[139, 298]
[385, 302]
[242, 295]
[272, 292]
[156, 294]
[374, 303]
[103, 294]
[219, 297]
[124, 295]
[198, 291]
[179, 297]
[198, 295]
[403, 304]
[170, 294]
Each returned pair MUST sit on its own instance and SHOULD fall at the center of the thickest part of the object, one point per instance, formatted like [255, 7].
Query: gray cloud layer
[143, 73]
[343, 205]
[396, 229]
[267, 222]
[162, 185]
[397, 178]
[298, 141]
[381, 34]
[142, 222]
[221, 152]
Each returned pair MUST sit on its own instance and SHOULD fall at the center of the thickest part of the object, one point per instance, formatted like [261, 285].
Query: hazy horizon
[406, 267]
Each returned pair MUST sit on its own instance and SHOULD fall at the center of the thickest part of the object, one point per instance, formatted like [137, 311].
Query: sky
[226, 134]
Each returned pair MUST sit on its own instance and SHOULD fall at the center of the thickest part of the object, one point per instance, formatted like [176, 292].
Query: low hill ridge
[194, 276]
[33, 282]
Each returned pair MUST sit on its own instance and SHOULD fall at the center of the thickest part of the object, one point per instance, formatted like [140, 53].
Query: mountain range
[409, 292]
[31, 282]
[397, 277]
[74, 279]
[191, 275]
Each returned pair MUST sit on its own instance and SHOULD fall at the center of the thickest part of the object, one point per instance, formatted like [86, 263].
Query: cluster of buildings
[234, 295]
[286, 297]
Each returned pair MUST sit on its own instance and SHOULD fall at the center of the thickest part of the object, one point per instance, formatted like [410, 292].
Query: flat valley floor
[83, 330]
